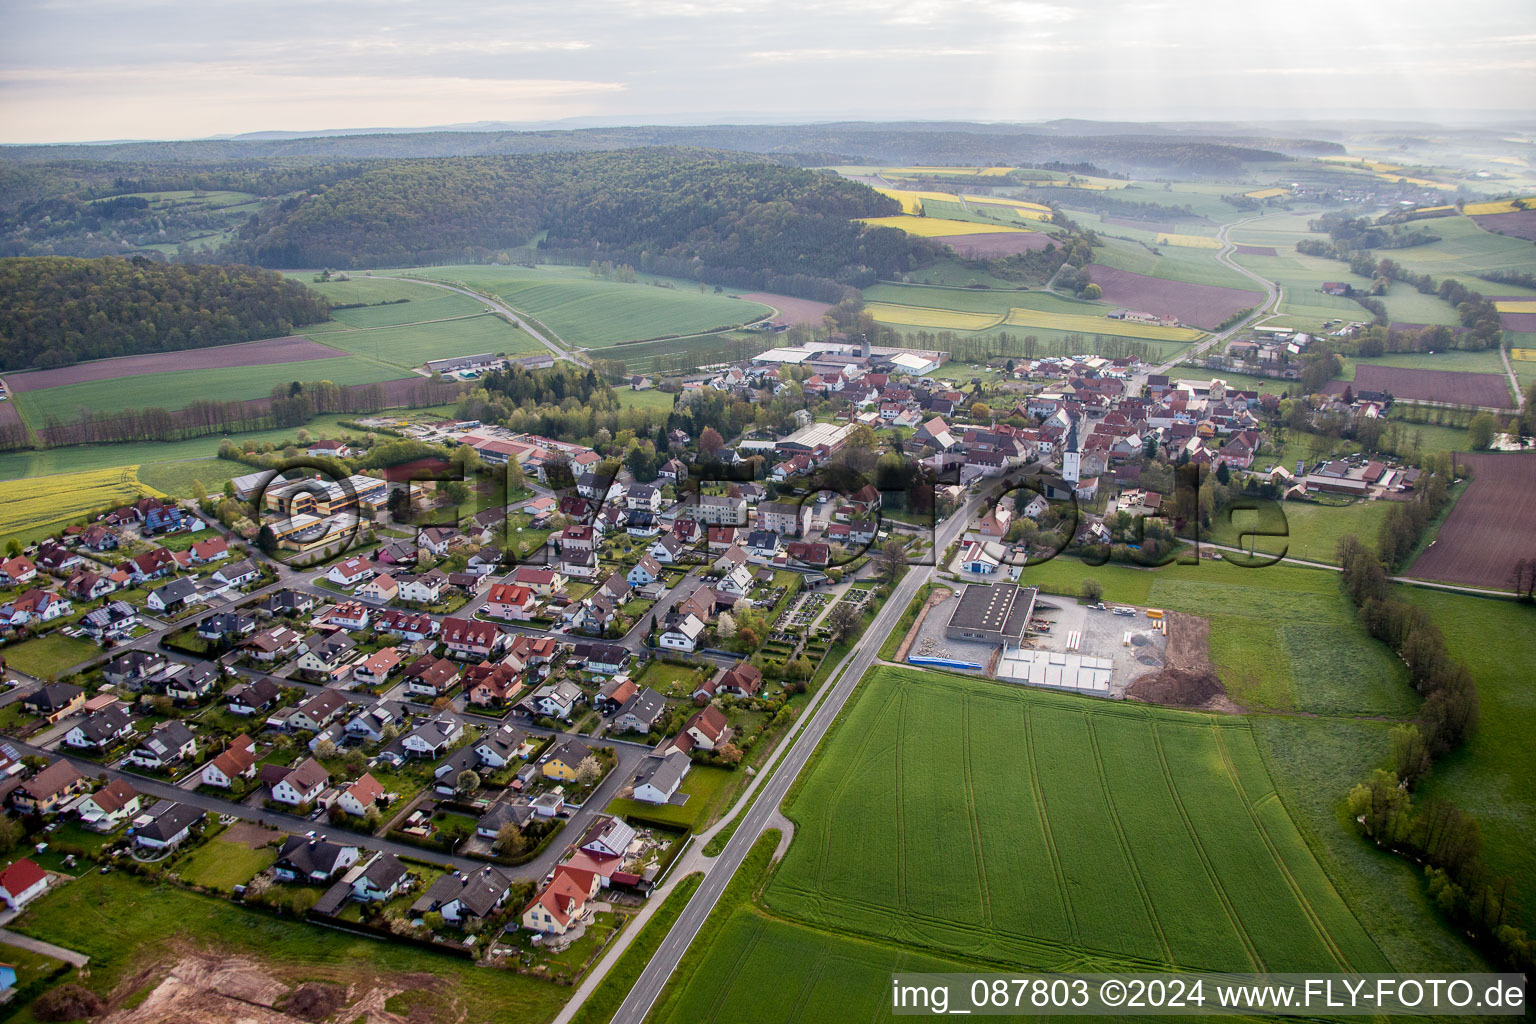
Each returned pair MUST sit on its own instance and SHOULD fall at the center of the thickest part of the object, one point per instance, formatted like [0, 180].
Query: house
[349, 615]
[722, 538]
[733, 556]
[168, 743]
[381, 879]
[408, 626]
[439, 540]
[237, 761]
[17, 570]
[134, 668]
[983, 558]
[249, 698]
[682, 634]
[89, 586]
[995, 523]
[226, 624]
[498, 749]
[109, 806]
[274, 644]
[607, 837]
[110, 622]
[555, 700]
[169, 825]
[213, 549]
[708, 729]
[151, 565]
[431, 677]
[102, 730]
[640, 712]
[330, 450]
[645, 571]
[484, 561]
[376, 668]
[54, 701]
[351, 572]
[743, 679]
[327, 654]
[784, 518]
[381, 589]
[489, 684]
[44, 792]
[306, 859]
[431, 739]
[643, 497]
[563, 761]
[316, 713]
[763, 545]
[660, 776]
[737, 582]
[721, 510]
[99, 538]
[511, 601]
[613, 693]
[176, 594]
[21, 883]
[190, 684]
[371, 723]
[57, 560]
[466, 898]
[286, 603]
[35, 606]
[600, 659]
[641, 523]
[668, 549]
[297, 786]
[558, 905]
[421, 588]
[816, 553]
[672, 471]
[361, 796]
[468, 638]
[500, 816]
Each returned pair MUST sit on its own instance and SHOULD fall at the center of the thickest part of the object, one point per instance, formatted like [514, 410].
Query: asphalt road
[760, 815]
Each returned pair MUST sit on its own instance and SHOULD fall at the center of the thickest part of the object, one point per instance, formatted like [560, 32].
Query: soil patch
[1255, 250]
[791, 310]
[315, 1001]
[939, 596]
[1187, 678]
[1200, 305]
[249, 835]
[249, 353]
[1446, 386]
[1521, 224]
[996, 243]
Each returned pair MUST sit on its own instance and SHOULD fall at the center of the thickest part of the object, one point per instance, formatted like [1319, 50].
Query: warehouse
[996, 614]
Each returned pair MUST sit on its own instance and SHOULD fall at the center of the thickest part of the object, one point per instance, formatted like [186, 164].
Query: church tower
[1071, 459]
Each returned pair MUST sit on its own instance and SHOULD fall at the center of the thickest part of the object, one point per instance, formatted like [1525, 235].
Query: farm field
[408, 346]
[792, 310]
[175, 389]
[39, 504]
[1416, 385]
[1126, 834]
[686, 354]
[1200, 304]
[930, 227]
[1197, 266]
[1493, 777]
[1461, 360]
[1491, 526]
[995, 244]
[585, 311]
[1269, 628]
[1314, 528]
[294, 349]
[967, 309]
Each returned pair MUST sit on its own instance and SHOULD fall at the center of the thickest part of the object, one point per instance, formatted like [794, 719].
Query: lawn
[410, 345]
[177, 478]
[177, 388]
[223, 865]
[671, 680]
[1493, 777]
[1313, 529]
[48, 657]
[586, 311]
[1267, 626]
[650, 398]
[706, 786]
[125, 925]
[1041, 829]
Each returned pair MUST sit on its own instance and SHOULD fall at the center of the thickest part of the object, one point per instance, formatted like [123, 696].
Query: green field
[175, 389]
[409, 345]
[1314, 529]
[1494, 776]
[1175, 263]
[177, 478]
[658, 401]
[221, 865]
[1270, 630]
[706, 786]
[687, 354]
[1039, 829]
[48, 657]
[588, 312]
[124, 925]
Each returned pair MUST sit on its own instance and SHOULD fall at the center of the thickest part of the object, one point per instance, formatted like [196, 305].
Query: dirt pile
[1187, 678]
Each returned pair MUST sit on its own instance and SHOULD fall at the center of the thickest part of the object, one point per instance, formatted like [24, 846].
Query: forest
[58, 310]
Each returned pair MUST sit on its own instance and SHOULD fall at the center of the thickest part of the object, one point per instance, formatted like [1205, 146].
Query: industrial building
[997, 614]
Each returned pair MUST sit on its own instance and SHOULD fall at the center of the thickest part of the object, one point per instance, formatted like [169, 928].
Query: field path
[560, 350]
[1514, 381]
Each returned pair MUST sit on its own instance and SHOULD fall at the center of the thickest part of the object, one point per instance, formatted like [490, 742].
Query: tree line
[57, 310]
[1433, 832]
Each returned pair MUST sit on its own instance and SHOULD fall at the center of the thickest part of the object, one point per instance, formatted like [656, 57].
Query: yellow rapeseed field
[983, 172]
[932, 227]
[1516, 306]
[1021, 317]
[41, 501]
[1016, 203]
[1188, 241]
[1525, 355]
[931, 317]
[1496, 206]
[1267, 193]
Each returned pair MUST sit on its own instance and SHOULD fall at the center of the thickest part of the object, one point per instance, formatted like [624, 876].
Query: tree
[1091, 589]
[589, 771]
[1093, 291]
[325, 750]
[510, 840]
[13, 547]
[11, 833]
[725, 626]
[981, 412]
[710, 442]
[842, 620]
[890, 559]
[467, 782]
[1480, 431]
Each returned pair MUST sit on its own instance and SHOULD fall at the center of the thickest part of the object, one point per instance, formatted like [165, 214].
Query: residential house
[644, 572]
[469, 638]
[510, 601]
[784, 518]
[563, 761]
[377, 667]
[499, 748]
[643, 497]
[737, 582]
[743, 679]
[274, 644]
[316, 713]
[168, 743]
[111, 621]
[213, 549]
[492, 684]
[722, 538]
[173, 596]
[101, 730]
[372, 723]
[381, 879]
[22, 882]
[431, 739]
[226, 624]
[559, 905]
[721, 510]
[381, 589]
[708, 729]
[408, 626]
[287, 603]
[422, 588]
[309, 860]
[351, 571]
[35, 606]
[466, 898]
[361, 796]
[134, 668]
[249, 698]
[327, 655]
[348, 615]
[108, 807]
[640, 712]
[660, 776]
[297, 786]
[237, 761]
[600, 659]
[682, 633]
[555, 700]
[46, 791]
[613, 693]
[431, 677]
[188, 684]
[89, 586]
[17, 571]
[170, 824]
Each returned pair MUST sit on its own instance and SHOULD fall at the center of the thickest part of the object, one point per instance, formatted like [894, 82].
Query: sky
[84, 70]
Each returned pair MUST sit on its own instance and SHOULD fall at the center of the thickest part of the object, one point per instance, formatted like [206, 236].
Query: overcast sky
[73, 70]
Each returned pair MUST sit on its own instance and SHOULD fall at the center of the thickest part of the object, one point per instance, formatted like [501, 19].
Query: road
[560, 351]
[760, 816]
[1514, 381]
